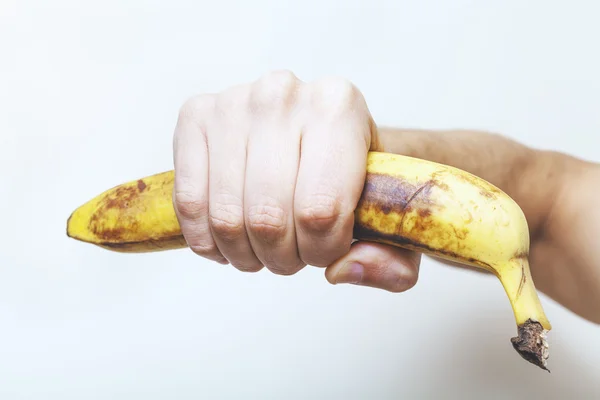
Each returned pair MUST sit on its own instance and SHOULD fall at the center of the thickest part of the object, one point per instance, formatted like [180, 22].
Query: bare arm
[556, 192]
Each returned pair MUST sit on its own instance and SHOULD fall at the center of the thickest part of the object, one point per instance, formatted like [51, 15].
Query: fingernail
[352, 272]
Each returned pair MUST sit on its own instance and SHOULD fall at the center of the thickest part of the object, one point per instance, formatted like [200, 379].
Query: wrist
[549, 182]
[575, 183]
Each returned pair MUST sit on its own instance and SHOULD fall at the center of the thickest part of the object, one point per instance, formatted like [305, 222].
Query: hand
[268, 174]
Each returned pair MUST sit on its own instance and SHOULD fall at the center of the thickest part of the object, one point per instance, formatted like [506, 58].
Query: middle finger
[272, 164]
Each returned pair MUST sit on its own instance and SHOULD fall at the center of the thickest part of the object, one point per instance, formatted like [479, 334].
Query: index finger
[333, 156]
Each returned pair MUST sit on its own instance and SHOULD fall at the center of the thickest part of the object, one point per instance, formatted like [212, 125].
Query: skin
[268, 175]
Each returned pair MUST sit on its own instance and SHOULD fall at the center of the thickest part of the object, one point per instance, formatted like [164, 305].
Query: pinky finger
[190, 192]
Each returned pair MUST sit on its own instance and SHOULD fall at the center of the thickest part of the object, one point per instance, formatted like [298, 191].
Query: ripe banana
[416, 204]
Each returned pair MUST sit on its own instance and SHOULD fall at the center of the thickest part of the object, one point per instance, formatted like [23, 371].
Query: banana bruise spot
[414, 228]
[393, 194]
[523, 275]
[141, 185]
[122, 199]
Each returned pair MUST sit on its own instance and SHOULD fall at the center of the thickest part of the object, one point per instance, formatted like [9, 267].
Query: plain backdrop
[89, 95]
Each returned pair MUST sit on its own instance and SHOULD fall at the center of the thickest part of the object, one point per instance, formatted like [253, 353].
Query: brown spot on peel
[413, 227]
[521, 283]
[487, 193]
[121, 198]
[146, 246]
[521, 256]
[424, 212]
[386, 193]
[442, 185]
[141, 185]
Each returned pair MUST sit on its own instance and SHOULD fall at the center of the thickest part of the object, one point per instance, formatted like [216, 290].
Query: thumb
[376, 265]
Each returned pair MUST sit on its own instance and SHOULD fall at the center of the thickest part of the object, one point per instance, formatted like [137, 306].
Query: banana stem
[531, 320]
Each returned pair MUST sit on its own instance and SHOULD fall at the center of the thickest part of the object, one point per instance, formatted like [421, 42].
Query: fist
[269, 173]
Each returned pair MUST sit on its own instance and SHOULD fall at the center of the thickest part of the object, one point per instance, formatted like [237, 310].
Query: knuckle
[337, 95]
[204, 249]
[235, 98]
[190, 206]
[276, 90]
[267, 222]
[197, 106]
[227, 221]
[284, 80]
[201, 243]
[320, 214]
[288, 76]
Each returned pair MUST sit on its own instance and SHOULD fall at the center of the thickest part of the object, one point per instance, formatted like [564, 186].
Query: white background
[89, 94]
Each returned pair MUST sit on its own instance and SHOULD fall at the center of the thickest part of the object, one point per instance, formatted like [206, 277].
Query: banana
[406, 202]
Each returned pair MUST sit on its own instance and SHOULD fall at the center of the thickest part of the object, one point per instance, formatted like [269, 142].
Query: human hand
[268, 174]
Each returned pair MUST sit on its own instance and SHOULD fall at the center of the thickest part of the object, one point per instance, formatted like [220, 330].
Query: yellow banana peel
[406, 202]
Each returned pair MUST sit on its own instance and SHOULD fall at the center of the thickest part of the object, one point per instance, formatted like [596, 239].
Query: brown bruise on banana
[121, 200]
[521, 256]
[147, 246]
[412, 227]
[141, 185]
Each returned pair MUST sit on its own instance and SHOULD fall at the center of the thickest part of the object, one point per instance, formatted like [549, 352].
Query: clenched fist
[268, 174]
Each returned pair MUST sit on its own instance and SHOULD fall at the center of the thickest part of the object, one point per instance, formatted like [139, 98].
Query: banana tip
[68, 230]
[72, 230]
